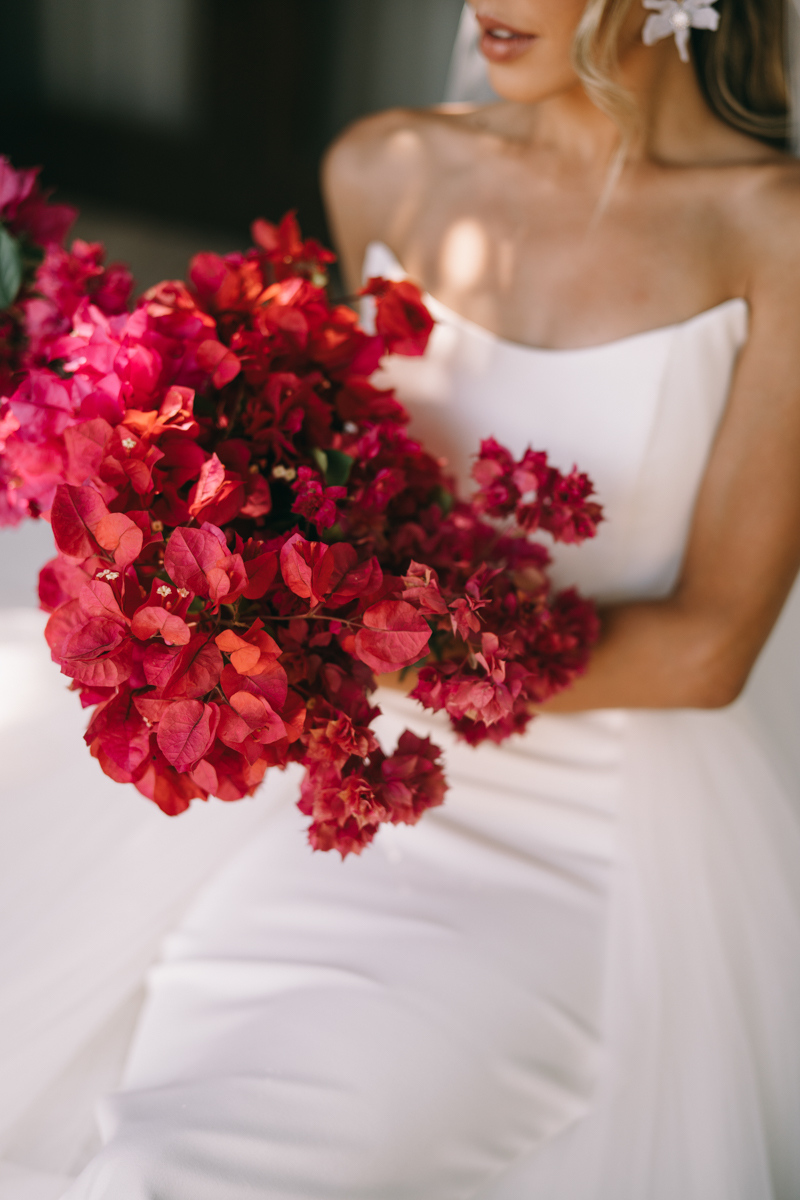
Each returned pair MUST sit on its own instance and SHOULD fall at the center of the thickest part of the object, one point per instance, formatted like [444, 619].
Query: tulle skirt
[579, 979]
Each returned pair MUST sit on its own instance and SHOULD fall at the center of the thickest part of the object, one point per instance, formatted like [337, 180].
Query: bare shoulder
[371, 135]
[763, 204]
[376, 174]
[388, 147]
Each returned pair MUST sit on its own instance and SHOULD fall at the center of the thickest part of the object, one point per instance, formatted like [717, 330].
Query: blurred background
[171, 124]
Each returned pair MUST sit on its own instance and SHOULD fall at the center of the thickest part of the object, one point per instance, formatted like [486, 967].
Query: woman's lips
[500, 43]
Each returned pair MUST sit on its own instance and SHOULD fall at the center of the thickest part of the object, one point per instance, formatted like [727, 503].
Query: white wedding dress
[578, 980]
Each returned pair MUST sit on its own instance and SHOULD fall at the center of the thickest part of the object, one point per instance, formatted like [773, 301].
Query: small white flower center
[680, 20]
[129, 443]
[108, 574]
[164, 590]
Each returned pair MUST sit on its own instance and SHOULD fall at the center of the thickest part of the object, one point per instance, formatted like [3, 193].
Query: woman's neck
[670, 120]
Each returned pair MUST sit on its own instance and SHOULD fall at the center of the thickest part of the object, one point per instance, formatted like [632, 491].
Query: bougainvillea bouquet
[247, 535]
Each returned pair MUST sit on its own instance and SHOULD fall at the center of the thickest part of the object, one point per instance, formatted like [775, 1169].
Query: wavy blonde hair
[742, 68]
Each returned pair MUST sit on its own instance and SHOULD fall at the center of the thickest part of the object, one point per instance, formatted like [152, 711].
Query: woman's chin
[524, 81]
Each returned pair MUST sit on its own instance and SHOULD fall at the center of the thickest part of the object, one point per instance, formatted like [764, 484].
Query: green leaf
[339, 467]
[444, 499]
[10, 268]
[320, 458]
[334, 534]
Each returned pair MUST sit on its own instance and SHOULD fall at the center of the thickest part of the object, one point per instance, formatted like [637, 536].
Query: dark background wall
[207, 112]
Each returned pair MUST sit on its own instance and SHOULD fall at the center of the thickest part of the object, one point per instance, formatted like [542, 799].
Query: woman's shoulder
[770, 196]
[394, 144]
[382, 166]
[744, 196]
[368, 148]
[761, 200]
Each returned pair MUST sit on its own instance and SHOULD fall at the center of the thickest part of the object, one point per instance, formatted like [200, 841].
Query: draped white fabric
[91, 878]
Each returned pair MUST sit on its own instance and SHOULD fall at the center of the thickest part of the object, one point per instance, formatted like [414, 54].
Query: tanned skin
[497, 212]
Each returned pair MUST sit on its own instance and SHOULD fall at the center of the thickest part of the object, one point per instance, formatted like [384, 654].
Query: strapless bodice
[639, 415]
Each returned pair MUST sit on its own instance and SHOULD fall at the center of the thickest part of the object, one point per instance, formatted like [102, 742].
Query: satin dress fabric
[580, 978]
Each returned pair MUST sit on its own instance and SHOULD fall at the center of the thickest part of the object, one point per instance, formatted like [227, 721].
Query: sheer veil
[773, 693]
[468, 80]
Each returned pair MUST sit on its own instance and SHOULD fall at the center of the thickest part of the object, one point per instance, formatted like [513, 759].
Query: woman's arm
[697, 648]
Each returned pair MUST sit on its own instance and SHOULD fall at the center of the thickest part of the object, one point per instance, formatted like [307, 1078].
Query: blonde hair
[742, 68]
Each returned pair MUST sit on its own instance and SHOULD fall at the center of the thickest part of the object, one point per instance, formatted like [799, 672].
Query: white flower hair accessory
[676, 18]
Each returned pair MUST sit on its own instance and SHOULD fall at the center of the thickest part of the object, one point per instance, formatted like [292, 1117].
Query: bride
[580, 979]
